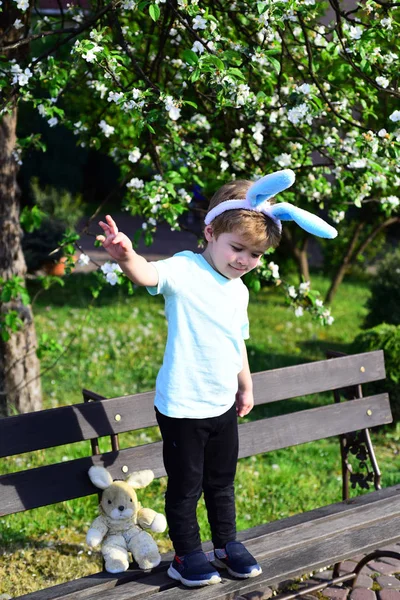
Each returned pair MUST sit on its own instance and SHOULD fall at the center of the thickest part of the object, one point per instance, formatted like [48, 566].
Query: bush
[384, 303]
[38, 244]
[387, 338]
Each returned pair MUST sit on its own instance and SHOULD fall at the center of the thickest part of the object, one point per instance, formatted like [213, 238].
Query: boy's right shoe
[193, 570]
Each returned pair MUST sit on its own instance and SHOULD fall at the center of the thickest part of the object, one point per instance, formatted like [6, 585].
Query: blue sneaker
[237, 560]
[193, 570]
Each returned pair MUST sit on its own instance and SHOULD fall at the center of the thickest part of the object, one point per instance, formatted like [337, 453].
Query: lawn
[114, 346]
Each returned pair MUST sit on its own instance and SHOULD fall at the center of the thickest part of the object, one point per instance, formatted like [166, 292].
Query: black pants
[200, 455]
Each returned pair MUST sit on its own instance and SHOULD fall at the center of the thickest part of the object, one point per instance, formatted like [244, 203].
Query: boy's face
[231, 254]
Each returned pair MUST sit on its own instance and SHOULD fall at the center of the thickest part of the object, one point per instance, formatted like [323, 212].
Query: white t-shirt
[207, 323]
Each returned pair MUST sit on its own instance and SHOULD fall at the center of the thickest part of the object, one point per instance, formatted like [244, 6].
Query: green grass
[115, 347]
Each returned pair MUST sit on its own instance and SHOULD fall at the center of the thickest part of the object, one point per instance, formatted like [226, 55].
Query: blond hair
[254, 226]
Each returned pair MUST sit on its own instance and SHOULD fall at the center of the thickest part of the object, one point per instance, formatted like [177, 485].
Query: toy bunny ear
[100, 477]
[269, 186]
[140, 479]
[306, 220]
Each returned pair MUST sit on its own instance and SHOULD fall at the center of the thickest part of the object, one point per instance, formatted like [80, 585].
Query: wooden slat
[313, 424]
[319, 376]
[46, 485]
[58, 426]
[67, 424]
[293, 536]
[335, 538]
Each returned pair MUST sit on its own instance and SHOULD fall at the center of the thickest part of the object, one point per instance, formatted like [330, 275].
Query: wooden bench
[285, 548]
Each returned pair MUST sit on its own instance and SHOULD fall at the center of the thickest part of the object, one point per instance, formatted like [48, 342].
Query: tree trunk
[299, 253]
[20, 387]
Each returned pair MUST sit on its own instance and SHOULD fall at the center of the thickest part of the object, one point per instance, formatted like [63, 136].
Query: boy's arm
[119, 247]
[244, 395]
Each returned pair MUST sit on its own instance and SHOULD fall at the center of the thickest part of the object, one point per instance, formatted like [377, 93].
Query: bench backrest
[103, 417]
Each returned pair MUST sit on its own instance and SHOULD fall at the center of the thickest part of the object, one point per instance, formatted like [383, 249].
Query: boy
[205, 382]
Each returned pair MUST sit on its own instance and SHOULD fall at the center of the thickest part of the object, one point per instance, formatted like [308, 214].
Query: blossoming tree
[182, 93]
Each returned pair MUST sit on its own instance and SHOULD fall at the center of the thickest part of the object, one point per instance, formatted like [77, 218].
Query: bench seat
[285, 549]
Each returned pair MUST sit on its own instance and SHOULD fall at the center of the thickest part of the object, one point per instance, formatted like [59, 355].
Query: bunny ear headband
[257, 199]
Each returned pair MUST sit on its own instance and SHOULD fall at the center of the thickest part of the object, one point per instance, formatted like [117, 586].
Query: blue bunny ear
[269, 186]
[306, 220]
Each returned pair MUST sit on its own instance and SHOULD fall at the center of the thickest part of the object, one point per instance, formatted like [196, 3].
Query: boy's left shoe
[237, 560]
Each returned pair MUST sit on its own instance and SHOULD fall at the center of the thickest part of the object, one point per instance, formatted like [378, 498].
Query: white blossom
[83, 260]
[243, 94]
[199, 22]
[355, 32]
[19, 76]
[382, 133]
[173, 111]
[135, 183]
[90, 55]
[395, 116]
[41, 110]
[338, 216]
[299, 311]
[283, 160]
[304, 287]
[382, 81]
[392, 201]
[258, 128]
[22, 4]
[106, 129]
[299, 113]
[224, 165]
[359, 163]
[18, 24]
[275, 269]
[109, 267]
[112, 278]
[115, 96]
[53, 121]
[201, 121]
[198, 47]
[292, 291]
[319, 303]
[305, 88]
[134, 155]
[387, 23]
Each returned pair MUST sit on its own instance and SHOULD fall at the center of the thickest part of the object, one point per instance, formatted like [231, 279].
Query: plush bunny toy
[119, 528]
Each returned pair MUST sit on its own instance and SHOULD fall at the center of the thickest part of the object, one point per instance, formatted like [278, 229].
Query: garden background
[145, 109]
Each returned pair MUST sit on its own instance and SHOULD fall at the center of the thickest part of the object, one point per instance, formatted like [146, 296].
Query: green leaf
[190, 57]
[195, 75]
[154, 11]
[275, 63]
[214, 60]
[150, 128]
[237, 73]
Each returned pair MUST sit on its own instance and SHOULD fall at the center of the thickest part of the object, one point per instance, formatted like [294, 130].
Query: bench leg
[372, 556]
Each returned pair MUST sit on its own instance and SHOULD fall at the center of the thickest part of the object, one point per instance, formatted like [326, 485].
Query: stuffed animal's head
[119, 500]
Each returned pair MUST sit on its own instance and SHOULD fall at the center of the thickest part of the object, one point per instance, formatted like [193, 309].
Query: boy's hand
[117, 244]
[244, 402]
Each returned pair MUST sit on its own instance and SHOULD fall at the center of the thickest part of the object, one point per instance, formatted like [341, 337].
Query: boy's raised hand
[117, 244]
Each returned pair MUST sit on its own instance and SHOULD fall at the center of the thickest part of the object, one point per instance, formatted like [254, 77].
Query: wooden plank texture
[58, 426]
[293, 536]
[318, 376]
[299, 557]
[46, 485]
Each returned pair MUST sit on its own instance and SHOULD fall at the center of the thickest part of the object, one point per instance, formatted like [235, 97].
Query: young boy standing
[204, 382]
